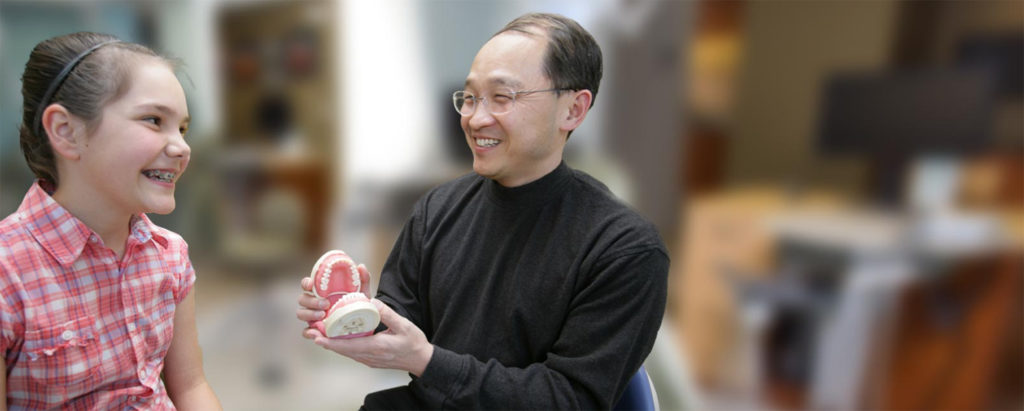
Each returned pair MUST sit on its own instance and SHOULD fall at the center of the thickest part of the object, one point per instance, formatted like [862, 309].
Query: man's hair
[84, 86]
[573, 58]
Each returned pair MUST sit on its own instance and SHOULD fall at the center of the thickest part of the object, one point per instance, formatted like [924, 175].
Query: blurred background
[840, 183]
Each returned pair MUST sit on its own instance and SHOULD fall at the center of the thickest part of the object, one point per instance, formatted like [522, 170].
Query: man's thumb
[388, 317]
[364, 280]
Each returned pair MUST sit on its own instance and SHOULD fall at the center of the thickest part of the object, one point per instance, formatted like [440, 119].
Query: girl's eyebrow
[165, 110]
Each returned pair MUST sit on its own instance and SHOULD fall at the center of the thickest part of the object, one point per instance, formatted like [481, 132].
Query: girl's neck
[107, 221]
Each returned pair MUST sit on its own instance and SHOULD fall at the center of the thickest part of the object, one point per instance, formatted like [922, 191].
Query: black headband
[57, 81]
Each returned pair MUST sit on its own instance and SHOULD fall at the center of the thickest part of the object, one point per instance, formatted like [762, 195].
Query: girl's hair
[80, 71]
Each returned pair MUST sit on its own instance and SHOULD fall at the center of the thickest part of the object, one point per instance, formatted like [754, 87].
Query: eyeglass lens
[498, 103]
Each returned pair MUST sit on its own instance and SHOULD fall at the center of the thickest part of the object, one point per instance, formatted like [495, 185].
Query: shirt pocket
[66, 355]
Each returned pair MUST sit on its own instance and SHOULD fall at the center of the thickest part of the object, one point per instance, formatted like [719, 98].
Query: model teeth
[486, 142]
[325, 280]
[165, 176]
[353, 297]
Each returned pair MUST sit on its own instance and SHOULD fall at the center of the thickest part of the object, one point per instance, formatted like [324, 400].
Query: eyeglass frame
[483, 100]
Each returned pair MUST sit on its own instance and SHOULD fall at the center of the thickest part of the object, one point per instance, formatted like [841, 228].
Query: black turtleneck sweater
[548, 295]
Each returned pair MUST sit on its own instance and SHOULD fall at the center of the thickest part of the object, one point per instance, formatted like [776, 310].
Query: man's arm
[606, 337]
[603, 341]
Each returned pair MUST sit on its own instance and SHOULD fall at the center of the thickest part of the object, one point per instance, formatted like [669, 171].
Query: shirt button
[93, 239]
[67, 335]
[131, 326]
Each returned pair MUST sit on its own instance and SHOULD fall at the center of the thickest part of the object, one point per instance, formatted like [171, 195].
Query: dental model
[336, 278]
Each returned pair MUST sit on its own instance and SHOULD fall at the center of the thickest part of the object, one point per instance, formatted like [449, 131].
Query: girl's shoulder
[16, 240]
[13, 226]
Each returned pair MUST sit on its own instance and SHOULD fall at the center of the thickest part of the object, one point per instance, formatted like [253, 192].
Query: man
[525, 284]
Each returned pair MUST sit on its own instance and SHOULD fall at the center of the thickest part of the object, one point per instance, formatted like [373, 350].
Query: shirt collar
[144, 230]
[534, 193]
[63, 235]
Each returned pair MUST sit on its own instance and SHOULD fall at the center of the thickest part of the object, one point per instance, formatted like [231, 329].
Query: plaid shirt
[78, 328]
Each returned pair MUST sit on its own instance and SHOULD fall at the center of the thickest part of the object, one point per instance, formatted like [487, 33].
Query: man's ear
[578, 110]
[62, 130]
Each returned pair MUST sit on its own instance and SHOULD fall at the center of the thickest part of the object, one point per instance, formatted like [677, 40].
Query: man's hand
[402, 347]
[311, 308]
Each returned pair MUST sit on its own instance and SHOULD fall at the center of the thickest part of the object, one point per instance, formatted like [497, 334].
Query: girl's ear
[577, 111]
[62, 130]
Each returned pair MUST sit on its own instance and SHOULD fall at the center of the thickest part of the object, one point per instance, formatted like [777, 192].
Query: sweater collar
[533, 193]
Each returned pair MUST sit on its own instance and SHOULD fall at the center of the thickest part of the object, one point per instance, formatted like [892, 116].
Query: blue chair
[639, 394]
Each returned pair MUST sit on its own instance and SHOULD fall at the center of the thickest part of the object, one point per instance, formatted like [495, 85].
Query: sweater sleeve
[611, 327]
[399, 281]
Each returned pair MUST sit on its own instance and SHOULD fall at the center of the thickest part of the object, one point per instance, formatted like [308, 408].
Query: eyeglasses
[500, 102]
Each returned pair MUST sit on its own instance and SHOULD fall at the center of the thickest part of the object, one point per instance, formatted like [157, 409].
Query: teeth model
[351, 314]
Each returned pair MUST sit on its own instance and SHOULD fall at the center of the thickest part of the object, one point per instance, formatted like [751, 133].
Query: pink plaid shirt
[80, 329]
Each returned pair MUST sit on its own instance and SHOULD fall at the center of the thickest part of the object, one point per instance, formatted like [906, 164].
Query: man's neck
[542, 169]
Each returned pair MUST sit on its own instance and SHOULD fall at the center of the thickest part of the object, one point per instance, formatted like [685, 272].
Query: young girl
[96, 302]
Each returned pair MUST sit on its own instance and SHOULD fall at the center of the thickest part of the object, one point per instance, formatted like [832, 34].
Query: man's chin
[482, 169]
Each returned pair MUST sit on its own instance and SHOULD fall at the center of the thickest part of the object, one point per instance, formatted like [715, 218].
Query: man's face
[524, 144]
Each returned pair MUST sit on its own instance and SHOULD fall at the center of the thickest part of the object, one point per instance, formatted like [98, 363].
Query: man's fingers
[312, 333]
[309, 315]
[389, 317]
[307, 284]
[312, 302]
[364, 280]
[311, 308]
[354, 348]
[404, 347]
[364, 275]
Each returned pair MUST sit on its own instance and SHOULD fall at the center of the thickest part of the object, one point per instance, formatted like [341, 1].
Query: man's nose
[481, 117]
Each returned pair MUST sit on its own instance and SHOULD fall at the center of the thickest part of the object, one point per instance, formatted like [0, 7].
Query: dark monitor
[1003, 54]
[890, 118]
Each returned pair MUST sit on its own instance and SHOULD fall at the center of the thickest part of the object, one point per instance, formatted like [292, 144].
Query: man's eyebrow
[499, 81]
[507, 82]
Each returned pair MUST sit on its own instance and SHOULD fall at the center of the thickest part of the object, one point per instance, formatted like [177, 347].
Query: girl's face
[137, 153]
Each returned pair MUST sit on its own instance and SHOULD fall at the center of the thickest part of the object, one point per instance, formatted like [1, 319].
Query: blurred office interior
[840, 183]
